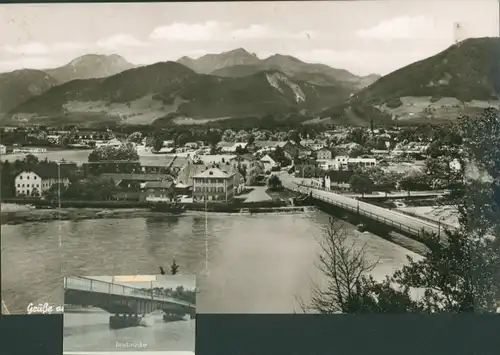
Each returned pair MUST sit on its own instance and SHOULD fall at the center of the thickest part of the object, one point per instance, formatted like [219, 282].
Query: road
[414, 223]
[400, 194]
[258, 194]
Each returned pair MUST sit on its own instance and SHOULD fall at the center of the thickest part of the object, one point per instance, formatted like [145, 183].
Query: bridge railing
[359, 210]
[91, 285]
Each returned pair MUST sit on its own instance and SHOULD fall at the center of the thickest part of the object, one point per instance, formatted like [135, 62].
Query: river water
[89, 331]
[81, 156]
[256, 264]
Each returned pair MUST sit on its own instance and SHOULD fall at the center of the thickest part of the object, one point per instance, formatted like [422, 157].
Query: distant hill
[20, 85]
[210, 62]
[90, 66]
[169, 89]
[463, 79]
[239, 63]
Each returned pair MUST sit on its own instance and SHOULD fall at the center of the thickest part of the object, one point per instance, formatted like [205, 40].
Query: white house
[329, 164]
[343, 162]
[324, 154]
[3, 149]
[312, 144]
[268, 162]
[364, 162]
[232, 148]
[35, 181]
[455, 165]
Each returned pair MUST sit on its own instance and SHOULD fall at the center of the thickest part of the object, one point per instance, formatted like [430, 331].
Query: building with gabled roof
[162, 190]
[35, 180]
[214, 184]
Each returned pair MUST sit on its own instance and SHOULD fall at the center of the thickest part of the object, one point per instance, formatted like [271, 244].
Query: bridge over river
[125, 302]
[394, 219]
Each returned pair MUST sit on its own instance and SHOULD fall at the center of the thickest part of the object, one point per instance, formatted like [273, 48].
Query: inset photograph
[138, 313]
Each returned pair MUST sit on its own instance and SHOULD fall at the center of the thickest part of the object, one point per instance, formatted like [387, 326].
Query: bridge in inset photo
[125, 302]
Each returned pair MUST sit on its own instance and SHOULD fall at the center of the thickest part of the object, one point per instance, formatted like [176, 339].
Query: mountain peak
[211, 62]
[278, 56]
[90, 66]
[97, 57]
[238, 51]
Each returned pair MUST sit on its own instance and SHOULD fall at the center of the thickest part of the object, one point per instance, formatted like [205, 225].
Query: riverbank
[25, 215]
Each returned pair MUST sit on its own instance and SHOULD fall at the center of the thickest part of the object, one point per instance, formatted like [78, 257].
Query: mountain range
[169, 89]
[239, 63]
[461, 79]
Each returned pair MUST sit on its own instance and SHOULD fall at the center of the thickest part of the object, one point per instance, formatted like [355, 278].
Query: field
[447, 108]
[142, 111]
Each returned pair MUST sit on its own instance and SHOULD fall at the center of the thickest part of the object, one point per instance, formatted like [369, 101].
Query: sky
[170, 281]
[363, 37]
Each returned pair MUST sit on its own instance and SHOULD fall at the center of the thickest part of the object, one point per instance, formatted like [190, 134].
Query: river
[80, 156]
[89, 331]
[256, 264]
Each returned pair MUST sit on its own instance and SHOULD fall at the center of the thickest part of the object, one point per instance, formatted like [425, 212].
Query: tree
[294, 136]
[415, 181]
[35, 193]
[31, 159]
[228, 136]
[274, 182]
[157, 143]
[135, 137]
[251, 139]
[54, 192]
[358, 136]
[181, 139]
[356, 151]
[241, 150]
[126, 152]
[174, 268]
[91, 189]
[383, 181]
[461, 270]
[361, 183]
[348, 287]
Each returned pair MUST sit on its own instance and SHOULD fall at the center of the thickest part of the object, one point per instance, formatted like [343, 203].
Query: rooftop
[162, 184]
[135, 177]
[213, 173]
[113, 162]
[51, 170]
[247, 157]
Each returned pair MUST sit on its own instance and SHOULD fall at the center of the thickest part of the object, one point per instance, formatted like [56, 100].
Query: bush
[394, 102]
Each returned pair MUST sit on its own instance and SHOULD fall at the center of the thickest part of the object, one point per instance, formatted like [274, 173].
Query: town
[223, 165]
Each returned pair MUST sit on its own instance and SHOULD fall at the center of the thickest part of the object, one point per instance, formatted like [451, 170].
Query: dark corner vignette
[322, 334]
[342, 164]
[37, 334]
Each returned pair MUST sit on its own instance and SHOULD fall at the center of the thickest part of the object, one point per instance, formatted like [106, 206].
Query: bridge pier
[124, 321]
[172, 317]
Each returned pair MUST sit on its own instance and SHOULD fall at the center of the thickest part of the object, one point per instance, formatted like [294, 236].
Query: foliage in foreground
[459, 272]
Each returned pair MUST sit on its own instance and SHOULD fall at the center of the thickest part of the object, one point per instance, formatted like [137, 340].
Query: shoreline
[78, 214]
